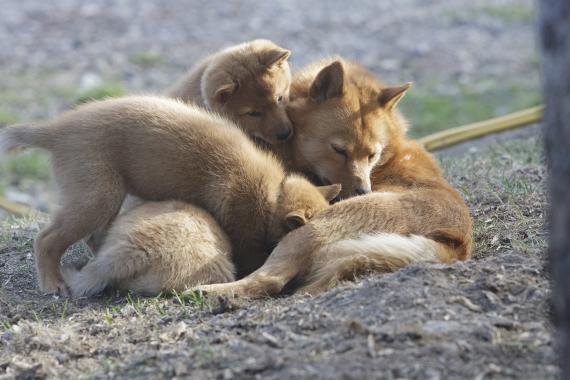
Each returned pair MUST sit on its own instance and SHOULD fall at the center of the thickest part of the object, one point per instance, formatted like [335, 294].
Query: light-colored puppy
[157, 247]
[161, 149]
[248, 83]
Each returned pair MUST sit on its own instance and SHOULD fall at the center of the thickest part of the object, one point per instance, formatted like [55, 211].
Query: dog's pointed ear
[295, 219]
[275, 57]
[390, 96]
[223, 92]
[329, 83]
[330, 192]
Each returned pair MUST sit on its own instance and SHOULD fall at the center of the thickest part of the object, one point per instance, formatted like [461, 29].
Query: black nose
[361, 191]
[284, 135]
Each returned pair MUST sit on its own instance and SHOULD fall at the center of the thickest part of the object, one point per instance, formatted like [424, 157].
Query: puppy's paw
[210, 290]
[55, 287]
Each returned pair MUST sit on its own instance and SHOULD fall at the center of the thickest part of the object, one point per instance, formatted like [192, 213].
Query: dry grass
[504, 186]
[486, 316]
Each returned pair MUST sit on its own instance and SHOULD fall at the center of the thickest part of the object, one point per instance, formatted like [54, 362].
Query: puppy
[157, 247]
[248, 83]
[161, 149]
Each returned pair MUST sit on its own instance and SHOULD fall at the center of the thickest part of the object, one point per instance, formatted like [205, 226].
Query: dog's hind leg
[291, 258]
[81, 214]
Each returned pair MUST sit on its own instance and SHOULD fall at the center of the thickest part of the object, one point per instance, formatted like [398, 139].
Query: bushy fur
[343, 119]
[160, 149]
[157, 247]
[249, 83]
[412, 215]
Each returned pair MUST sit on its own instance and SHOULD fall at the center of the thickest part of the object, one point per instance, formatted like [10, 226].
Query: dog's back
[160, 148]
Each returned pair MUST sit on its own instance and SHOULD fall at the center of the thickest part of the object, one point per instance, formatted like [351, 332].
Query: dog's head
[298, 201]
[345, 124]
[251, 84]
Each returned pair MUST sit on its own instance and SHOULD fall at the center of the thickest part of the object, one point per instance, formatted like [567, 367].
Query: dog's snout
[284, 134]
[361, 191]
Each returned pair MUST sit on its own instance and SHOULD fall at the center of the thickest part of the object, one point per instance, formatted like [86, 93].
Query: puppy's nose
[284, 134]
[361, 191]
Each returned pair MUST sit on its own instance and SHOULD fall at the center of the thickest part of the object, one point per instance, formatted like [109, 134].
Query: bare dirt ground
[485, 318]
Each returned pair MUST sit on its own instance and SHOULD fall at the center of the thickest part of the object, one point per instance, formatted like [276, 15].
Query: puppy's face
[343, 129]
[256, 92]
[298, 202]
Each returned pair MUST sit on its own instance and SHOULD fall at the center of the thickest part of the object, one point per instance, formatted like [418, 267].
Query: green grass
[147, 58]
[511, 14]
[33, 164]
[28, 165]
[7, 117]
[105, 90]
[430, 112]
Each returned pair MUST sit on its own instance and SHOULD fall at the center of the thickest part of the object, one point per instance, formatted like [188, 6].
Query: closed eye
[373, 156]
[254, 114]
[339, 150]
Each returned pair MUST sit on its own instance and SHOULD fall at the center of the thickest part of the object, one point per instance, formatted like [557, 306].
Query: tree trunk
[555, 40]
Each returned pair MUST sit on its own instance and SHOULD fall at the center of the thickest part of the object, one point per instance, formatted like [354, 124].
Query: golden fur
[343, 120]
[413, 215]
[249, 83]
[160, 149]
[157, 247]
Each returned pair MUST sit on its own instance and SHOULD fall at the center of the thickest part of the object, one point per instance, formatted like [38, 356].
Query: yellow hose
[431, 142]
[15, 208]
[457, 135]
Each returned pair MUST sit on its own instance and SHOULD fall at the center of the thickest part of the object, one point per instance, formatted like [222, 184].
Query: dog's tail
[87, 281]
[112, 265]
[385, 252]
[21, 136]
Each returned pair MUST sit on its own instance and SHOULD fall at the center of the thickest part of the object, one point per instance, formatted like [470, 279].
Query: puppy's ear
[275, 57]
[329, 83]
[295, 219]
[223, 92]
[330, 192]
[390, 96]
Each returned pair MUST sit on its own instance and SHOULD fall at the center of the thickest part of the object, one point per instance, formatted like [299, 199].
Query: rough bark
[554, 36]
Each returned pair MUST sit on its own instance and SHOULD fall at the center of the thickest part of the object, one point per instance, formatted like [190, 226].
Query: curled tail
[385, 252]
[114, 264]
[21, 136]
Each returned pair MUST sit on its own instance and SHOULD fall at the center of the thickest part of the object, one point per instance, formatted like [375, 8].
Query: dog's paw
[210, 290]
[55, 287]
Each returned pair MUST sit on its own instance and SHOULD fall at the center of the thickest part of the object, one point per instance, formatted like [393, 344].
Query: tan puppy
[160, 149]
[249, 83]
[413, 215]
[343, 119]
[157, 247]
